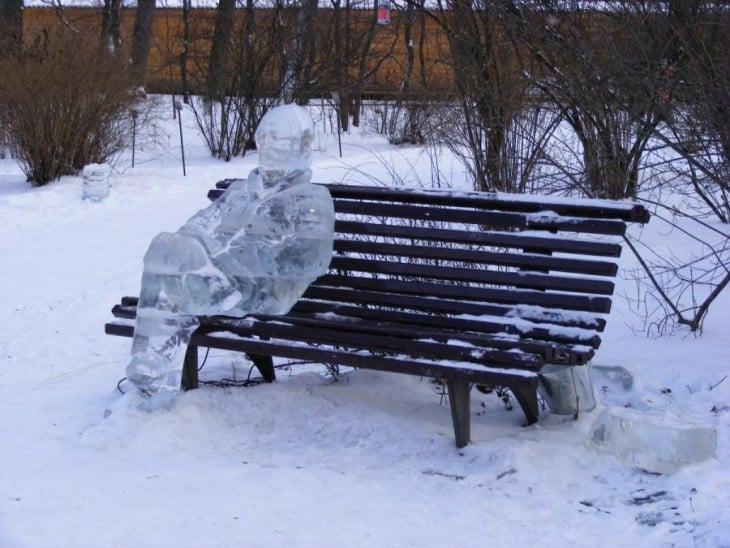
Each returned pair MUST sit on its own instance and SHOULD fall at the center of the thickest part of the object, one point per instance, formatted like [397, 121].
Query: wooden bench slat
[473, 276]
[394, 341]
[564, 349]
[479, 257]
[445, 306]
[453, 307]
[536, 339]
[125, 311]
[551, 346]
[566, 301]
[434, 369]
[547, 243]
[495, 200]
[487, 219]
[514, 202]
[406, 333]
[119, 329]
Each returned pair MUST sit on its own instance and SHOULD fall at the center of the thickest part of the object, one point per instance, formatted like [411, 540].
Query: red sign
[383, 12]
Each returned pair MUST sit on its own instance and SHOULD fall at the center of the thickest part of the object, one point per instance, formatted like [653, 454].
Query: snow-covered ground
[365, 461]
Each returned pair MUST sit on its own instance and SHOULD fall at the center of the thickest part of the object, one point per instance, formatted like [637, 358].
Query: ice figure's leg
[158, 352]
[163, 330]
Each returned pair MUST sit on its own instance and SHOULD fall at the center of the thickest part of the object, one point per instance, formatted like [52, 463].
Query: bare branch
[57, 5]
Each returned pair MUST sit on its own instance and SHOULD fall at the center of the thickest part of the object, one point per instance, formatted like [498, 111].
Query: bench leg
[190, 368]
[527, 398]
[459, 399]
[265, 365]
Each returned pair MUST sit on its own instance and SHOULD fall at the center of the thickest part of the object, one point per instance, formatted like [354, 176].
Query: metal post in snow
[134, 114]
[178, 108]
[336, 100]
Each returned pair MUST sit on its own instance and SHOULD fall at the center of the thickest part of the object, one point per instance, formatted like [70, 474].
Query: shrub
[63, 105]
[406, 121]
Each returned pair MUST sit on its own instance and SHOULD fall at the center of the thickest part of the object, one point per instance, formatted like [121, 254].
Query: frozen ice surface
[567, 390]
[615, 374]
[95, 182]
[161, 343]
[658, 443]
[254, 250]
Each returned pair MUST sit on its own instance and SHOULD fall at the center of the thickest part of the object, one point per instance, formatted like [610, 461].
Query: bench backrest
[525, 267]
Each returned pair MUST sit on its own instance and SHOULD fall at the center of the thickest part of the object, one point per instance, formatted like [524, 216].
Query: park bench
[465, 287]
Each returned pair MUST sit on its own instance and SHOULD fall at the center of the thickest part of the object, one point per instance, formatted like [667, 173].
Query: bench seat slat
[551, 346]
[566, 301]
[520, 378]
[440, 306]
[575, 352]
[377, 341]
[452, 307]
[405, 333]
[355, 319]
[435, 369]
[541, 340]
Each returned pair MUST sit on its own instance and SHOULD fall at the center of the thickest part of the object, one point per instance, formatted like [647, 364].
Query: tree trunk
[338, 65]
[408, 20]
[185, 50]
[11, 24]
[110, 37]
[141, 40]
[219, 50]
[295, 73]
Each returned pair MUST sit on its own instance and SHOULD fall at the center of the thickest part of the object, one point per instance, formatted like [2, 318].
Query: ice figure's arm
[298, 177]
[299, 245]
[215, 225]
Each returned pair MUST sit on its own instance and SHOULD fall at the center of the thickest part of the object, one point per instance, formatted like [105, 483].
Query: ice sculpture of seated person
[254, 250]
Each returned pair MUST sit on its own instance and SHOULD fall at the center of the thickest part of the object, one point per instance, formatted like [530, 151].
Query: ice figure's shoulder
[247, 189]
[306, 193]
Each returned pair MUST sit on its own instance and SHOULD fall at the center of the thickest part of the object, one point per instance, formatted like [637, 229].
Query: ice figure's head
[284, 141]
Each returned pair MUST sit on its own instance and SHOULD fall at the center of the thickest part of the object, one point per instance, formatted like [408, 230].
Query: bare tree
[298, 57]
[141, 39]
[185, 50]
[11, 23]
[58, 7]
[487, 130]
[677, 288]
[356, 47]
[408, 118]
[219, 50]
[674, 288]
[603, 71]
[110, 21]
[239, 86]
[698, 93]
